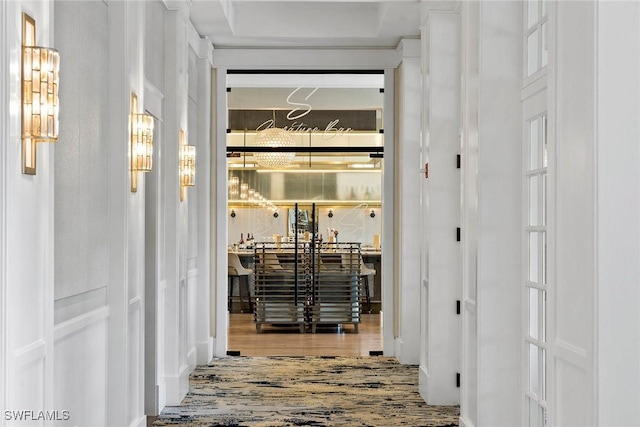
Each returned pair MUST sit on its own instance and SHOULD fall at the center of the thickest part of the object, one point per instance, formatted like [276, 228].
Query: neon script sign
[301, 109]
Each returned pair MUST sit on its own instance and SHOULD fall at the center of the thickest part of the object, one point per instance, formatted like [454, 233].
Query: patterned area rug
[306, 391]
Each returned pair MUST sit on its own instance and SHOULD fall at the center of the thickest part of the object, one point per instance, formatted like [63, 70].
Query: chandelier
[274, 137]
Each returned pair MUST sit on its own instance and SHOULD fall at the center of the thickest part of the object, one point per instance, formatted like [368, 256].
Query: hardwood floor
[288, 341]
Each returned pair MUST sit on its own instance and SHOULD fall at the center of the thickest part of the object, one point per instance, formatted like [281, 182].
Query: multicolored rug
[306, 391]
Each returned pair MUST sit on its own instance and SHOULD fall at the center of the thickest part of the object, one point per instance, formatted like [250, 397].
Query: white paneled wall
[499, 198]
[26, 275]
[572, 322]
[4, 135]
[618, 214]
[440, 348]
[409, 181]
[81, 214]
[67, 320]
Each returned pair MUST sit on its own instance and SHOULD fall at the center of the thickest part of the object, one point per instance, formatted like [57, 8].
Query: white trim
[423, 380]
[534, 88]
[219, 222]
[153, 99]
[389, 238]
[181, 6]
[4, 136]
[204, 351]
[191, 358]
[319, 80]
[316, 59]
[397, 348]
[193, 38]
[177, 386]
[470, 306]
[135, 303]
[81, 322]
[463, 422]
[30, 352]
[140, 422]
[570, 353]
[409, 48]
[206, 51]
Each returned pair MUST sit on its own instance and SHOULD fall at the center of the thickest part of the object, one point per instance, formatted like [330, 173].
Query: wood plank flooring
[288, 341]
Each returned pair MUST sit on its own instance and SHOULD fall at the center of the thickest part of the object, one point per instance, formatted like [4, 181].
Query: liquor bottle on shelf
[241, 243]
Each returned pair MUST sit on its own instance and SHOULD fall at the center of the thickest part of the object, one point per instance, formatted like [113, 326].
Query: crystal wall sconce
[187, 165]
[140, 142]
[40, 79]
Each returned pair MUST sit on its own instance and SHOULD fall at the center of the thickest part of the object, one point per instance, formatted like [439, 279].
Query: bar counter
[371, 258]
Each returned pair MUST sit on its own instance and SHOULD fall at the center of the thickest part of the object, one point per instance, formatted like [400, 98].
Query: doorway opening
[304, 173]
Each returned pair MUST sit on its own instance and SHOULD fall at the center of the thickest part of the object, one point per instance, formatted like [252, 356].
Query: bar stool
[365, 272]
[350, 261]
[236, 269]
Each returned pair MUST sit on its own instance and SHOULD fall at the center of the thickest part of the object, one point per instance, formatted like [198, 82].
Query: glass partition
[324, 145]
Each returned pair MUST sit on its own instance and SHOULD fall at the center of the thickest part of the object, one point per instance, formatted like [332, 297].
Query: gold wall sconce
[187, 165]
[140, 142]
[40, 103]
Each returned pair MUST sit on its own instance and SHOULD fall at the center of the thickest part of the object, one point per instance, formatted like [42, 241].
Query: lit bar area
[304, 201]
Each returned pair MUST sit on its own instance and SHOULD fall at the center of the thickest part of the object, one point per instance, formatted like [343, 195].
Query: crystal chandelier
[274, 137]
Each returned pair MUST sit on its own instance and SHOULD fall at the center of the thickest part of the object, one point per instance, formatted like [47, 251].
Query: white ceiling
[307, 23]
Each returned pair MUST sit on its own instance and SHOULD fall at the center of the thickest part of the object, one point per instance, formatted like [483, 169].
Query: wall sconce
[40, 78]
[275, 214]
[233, 213]
[330, 214]
[187, 165]
[140, 142]
[373, 213]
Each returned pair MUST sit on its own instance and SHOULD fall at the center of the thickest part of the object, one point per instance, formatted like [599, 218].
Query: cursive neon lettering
[293, 114]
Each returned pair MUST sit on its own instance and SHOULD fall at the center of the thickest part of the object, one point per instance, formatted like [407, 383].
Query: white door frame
[384, 60]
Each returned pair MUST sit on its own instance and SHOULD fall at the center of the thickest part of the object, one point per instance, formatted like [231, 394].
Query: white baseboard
[423, 377]
[192, 357]
[219, 347]
[465, 423]
[162, 396]
[140, 422]
[397, 348]
[205, 351]
[177, 386]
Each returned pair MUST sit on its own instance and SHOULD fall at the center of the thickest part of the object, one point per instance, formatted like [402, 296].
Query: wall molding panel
[79, 323]
[30, 353]
[441, 210]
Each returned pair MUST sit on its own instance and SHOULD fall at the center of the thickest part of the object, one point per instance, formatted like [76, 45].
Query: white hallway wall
[68, 319]
[594, 316]
[26, 228]
[441, 287]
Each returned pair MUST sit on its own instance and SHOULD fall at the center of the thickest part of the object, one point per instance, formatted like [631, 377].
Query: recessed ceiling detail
[299, 23]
